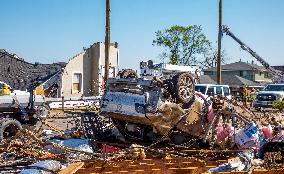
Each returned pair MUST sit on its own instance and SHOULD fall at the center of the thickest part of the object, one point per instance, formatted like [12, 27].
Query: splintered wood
[160, 166]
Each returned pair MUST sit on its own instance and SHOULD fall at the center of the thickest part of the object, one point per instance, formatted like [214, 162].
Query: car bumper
[263, 104]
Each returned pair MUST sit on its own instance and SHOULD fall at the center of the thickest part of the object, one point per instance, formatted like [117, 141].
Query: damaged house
[81, 76]
[84, 73]
[25, 76]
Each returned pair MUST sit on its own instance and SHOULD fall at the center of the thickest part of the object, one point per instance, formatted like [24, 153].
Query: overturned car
[167, 109]
[143, 109]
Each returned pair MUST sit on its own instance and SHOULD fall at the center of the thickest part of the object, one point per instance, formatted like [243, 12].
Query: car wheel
[127, 73]
[42, 112]
[9, 128]
[184, 87]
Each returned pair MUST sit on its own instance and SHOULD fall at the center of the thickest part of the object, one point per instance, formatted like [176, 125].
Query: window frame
[226, 88]
[209, 87]
[218, 88]
[81, 84]
[266, 75]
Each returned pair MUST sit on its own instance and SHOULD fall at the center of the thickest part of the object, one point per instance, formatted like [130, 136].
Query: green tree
[184, 45]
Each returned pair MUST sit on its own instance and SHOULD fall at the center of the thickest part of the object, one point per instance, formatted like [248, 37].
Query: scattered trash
[240, 163]
[78, 144]
[109, 149]
[136, 152]
[248, 137]
[43, 167]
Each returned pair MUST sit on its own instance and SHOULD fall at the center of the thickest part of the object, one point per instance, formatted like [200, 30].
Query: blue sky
[55, 30]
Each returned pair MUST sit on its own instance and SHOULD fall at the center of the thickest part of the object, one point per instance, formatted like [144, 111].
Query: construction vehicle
[5, 89]
[18, 110]
[263, 99]
[277, 75]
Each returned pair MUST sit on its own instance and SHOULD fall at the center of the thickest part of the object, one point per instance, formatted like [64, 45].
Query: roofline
[210, 84]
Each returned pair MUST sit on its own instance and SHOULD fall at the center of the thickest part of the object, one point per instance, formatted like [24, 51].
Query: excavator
[278, 76]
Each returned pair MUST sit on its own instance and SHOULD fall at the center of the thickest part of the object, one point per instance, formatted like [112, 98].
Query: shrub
[278, 105]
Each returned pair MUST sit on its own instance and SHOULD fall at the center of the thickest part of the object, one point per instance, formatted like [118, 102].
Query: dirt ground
[64, 120]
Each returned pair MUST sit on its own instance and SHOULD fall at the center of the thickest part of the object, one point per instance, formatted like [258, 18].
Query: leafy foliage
[278, 105]
[184, 45]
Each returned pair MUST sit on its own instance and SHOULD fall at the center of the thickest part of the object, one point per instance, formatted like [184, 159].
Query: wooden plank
[272, 171]
[160, 166]
[72, 168]
[139, 170]
[184, 170]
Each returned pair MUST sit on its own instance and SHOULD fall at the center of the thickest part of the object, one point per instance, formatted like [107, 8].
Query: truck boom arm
[276, 73]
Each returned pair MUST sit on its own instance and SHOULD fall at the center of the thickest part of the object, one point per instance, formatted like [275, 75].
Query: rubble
[43, 167]
[207, 129]
[241, 163]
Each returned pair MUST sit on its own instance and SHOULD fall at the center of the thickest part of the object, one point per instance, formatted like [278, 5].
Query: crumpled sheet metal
[194, 124]
[171, 114]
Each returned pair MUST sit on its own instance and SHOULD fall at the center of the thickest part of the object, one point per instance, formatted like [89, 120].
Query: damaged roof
[21, 75]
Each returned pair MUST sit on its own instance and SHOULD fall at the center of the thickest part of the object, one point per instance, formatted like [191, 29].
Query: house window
[260, 73]
[243, 73]
[77, 82]
[266, 75]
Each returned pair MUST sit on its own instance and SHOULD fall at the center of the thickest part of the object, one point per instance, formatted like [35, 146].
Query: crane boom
[276, 73]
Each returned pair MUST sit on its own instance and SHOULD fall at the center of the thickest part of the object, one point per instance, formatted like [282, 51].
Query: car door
[211, 91]
[219, 90]
[226, 92]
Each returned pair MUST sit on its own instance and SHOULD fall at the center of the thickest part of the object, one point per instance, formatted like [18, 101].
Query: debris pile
[156, 118]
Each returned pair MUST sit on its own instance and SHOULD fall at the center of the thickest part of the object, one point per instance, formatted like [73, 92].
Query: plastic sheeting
[49, 165]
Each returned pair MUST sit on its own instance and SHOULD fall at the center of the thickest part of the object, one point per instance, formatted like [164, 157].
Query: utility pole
[107, 43]
[219, 59]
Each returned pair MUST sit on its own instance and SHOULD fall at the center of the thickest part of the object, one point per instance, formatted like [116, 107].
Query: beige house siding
[251, 75]
[100, 65]
[262, 77]
[89, 63]
[75, 65]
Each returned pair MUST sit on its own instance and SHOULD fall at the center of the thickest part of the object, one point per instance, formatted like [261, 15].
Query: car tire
[43, 112]
[183, 87]
[8, 128]
[127, 73]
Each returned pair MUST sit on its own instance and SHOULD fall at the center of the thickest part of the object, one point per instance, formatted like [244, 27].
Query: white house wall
[90, 64]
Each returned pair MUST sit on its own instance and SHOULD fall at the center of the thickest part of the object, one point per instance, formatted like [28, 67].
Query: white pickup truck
[271, 93]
